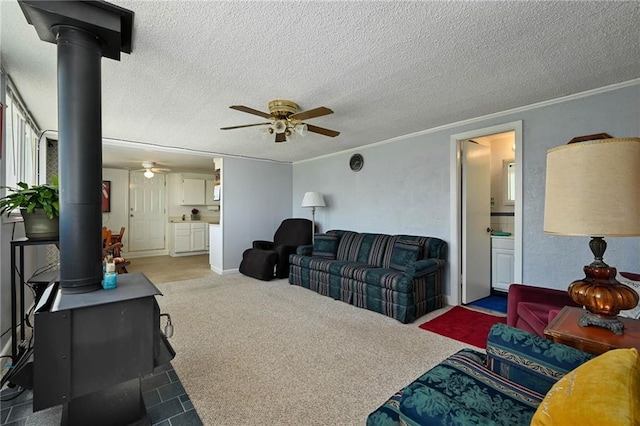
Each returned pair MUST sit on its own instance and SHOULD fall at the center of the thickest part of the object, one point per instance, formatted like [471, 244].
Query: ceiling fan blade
[312, 113]
[245, 125]
[280, 137]
[322, 131]
[250, 111]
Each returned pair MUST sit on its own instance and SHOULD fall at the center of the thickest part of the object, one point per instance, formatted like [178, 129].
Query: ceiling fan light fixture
[280, 126]
[150, 170]
[286, 121]
[301, 129]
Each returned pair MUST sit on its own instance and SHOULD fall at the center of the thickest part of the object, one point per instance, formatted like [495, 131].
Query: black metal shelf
[18, 245]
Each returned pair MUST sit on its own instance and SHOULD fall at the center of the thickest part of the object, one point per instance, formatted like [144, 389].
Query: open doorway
[470, 243]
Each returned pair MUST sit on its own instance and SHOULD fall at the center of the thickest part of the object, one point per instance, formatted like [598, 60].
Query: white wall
[119, 215]
[256, 197]
[404, 185]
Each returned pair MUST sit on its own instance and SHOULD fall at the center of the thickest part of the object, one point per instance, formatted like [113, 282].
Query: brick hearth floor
[164, 396]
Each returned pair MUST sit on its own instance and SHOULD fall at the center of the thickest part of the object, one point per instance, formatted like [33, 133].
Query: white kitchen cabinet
[181, 237]
[198, 236]
[502, 263]
[189, 238]
[193, 191]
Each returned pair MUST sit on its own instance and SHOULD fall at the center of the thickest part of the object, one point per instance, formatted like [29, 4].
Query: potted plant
[39, 206]
[194, 214]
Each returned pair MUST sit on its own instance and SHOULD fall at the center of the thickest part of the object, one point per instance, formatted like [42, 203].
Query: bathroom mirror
[509, 179]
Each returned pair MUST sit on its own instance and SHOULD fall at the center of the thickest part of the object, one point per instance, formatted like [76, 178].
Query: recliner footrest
[258, 263]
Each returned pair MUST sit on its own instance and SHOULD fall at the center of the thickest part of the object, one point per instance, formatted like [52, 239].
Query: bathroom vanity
[502, 262]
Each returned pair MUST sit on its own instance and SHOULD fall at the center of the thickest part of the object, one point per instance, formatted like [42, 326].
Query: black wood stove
[91, 350]
[91, 346]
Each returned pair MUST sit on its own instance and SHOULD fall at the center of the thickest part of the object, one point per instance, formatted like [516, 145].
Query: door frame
[455, 240]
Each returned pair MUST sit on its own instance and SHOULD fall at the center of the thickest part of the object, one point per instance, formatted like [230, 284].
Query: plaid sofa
[396, 275]
[502, 387]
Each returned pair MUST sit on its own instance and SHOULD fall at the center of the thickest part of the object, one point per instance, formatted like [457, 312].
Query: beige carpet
[269, 353]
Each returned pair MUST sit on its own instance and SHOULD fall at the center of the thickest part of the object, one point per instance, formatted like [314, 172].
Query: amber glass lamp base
[600, 292]
[602, 295]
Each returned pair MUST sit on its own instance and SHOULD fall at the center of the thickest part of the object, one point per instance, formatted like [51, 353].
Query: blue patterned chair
[399, 276]
[502, 387]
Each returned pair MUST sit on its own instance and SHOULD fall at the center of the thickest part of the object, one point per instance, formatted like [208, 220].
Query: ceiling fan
[285, 119]
[150, 169]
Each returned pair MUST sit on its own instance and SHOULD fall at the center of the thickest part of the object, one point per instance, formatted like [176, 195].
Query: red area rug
[464, 325]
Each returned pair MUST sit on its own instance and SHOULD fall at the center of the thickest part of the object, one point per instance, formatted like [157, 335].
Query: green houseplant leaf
[45, 197]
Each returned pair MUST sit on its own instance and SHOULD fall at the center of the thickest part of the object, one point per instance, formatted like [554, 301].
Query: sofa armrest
[263, 245]
[527, 293]
[530, 360]
[422, 267]
[305, 250]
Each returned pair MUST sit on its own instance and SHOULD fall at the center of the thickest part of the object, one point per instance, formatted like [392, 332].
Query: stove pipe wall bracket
[84, 32]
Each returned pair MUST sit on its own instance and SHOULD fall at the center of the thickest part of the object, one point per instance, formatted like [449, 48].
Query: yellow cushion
[604, 390]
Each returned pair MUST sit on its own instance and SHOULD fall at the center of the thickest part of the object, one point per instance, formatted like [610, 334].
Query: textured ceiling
[386, 68]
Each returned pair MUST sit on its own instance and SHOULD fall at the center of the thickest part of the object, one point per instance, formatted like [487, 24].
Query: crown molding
[536, 105]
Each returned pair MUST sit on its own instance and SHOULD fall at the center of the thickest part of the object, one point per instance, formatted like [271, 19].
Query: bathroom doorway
[504, 214]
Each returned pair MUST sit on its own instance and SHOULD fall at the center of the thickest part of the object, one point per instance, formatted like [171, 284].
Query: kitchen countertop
[211, 221]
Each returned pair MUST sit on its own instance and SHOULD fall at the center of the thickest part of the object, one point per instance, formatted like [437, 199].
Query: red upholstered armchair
[531, 308]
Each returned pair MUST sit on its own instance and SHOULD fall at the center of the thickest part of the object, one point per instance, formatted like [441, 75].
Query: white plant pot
[37, 226]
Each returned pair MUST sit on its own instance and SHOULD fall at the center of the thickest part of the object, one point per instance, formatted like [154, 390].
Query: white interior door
[476, 220]
[146, 212]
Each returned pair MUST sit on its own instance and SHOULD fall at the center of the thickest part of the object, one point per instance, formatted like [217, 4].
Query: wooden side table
[564, 329]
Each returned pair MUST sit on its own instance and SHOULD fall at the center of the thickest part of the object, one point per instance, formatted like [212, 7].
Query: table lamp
[593, 189]
[313, 200]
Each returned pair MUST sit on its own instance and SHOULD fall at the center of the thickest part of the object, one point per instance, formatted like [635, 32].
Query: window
[509, 176]
[21, 145]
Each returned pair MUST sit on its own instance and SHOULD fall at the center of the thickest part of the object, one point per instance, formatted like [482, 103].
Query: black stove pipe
[80, 159]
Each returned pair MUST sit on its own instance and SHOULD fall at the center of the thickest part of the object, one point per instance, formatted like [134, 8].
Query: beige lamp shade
[313, 199]
[593, 188]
